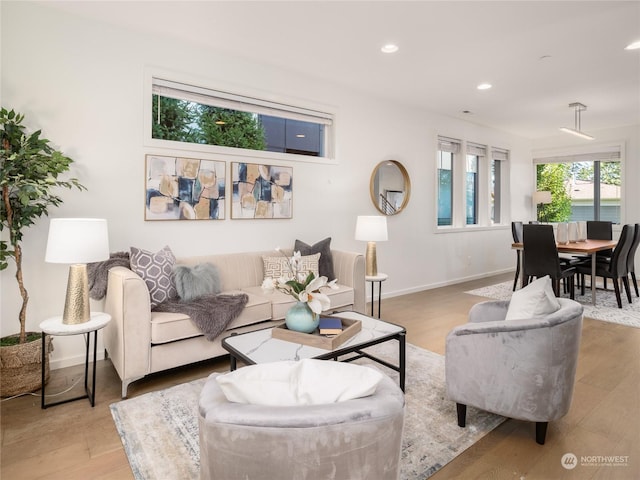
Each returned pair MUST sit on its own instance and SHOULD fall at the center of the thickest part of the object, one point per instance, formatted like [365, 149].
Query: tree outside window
[587, 190]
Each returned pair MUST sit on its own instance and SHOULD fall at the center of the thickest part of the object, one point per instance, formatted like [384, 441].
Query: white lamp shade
[541, 197]
[77, 240]
[371, 228]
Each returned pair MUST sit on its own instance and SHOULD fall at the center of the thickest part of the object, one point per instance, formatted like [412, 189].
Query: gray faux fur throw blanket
[210, 313]
[98, 273]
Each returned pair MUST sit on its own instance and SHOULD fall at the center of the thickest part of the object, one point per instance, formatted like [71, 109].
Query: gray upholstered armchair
[522, 369]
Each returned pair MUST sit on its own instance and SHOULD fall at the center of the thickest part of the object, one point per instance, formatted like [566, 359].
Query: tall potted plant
[29, 177]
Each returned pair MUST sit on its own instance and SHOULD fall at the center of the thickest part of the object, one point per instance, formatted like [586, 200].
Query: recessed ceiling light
[300, 135]
[389, 48]
[484, 86]
[633, 46]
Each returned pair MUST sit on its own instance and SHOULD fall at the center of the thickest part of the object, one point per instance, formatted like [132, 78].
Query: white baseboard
[431, 286]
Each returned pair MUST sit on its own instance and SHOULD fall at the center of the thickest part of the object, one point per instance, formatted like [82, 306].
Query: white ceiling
[540, 56]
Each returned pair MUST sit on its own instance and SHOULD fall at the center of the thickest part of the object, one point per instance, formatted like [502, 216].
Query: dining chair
[615, 268]
[600, 230]
[631, 258]
[597, 230]
[516, 231]
[540, 258]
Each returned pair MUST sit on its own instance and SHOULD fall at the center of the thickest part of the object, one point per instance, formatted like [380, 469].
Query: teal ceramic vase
[300, 318]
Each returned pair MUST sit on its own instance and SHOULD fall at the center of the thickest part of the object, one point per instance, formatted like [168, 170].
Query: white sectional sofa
[140, 342]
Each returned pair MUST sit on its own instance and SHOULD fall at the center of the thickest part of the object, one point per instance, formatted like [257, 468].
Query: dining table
[589, 246]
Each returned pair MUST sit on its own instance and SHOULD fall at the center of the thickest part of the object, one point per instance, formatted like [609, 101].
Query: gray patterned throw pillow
[156, 269]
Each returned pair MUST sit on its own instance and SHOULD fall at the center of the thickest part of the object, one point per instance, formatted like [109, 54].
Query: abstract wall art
[261, 191]
[179, 188]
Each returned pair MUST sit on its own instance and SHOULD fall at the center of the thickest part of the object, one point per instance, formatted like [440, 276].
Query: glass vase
[300, 318]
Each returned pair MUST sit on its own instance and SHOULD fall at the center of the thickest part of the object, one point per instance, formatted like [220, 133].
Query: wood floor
[75, 441]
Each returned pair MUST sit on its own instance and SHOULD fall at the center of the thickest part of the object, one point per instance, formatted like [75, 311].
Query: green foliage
[552, 177]
[12, 340]
[231, 128]
[609, 172]
[176, 121]
[185, 121]
[29, 177]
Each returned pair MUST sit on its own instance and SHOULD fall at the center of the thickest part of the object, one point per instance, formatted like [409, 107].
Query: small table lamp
[371, 229]
[541, 198]
[77, 241]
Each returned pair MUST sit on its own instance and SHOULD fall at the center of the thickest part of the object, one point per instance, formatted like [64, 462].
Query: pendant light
[579, 107]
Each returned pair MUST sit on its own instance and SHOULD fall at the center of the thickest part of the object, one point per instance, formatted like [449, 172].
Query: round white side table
[54, 326]
[379, 278]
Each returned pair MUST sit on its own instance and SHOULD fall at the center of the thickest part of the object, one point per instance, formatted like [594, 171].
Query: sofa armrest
[127, 336]
[349, 270]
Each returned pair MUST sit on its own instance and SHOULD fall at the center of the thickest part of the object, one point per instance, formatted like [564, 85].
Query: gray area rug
[159, 430]
[606, 308]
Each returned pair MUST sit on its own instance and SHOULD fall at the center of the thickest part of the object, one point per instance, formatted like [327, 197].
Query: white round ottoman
[349, 440]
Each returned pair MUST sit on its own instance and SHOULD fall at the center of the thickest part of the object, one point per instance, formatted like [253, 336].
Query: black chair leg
[541, 432]
[635, 283]
[515, 280]
[462, 414]
[572, 287]
[627, 287]
[616, 287]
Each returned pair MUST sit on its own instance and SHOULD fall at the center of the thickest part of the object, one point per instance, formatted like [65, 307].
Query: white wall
[82, 82]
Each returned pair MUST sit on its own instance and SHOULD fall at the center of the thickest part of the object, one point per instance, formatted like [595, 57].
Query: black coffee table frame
[356, 350]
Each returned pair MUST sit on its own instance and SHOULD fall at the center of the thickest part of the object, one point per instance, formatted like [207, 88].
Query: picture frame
[183, 188]
[261, 191]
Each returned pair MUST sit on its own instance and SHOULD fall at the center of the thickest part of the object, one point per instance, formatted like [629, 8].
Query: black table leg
[372, 298]
[402, 351]
[44, 358]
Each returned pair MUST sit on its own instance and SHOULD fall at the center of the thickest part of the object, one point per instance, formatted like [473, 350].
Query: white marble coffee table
[260, 347]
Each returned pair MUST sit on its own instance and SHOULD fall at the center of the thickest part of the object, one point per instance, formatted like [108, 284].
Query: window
[469, 185]
[474, 154]
[447, 149]
[583, 186]
[186, 113]
[498, 156]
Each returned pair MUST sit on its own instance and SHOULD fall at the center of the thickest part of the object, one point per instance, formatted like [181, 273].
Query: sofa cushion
[279, 267]
[156, 269]
[196, 281]
[281, 302]
[169, 327]
[304, 382]
[323, 247]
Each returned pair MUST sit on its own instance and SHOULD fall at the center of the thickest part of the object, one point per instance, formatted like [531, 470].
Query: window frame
[296, 106]
[613, 151]
[485, 155]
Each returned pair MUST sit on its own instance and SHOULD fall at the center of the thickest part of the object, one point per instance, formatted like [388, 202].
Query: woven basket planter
[21, 367]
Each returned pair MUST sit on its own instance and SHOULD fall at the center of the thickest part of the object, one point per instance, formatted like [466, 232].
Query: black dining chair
[516, 231]
[597, 230]
[540, 258]
[600, 230]
[615, 268]
[631, 258]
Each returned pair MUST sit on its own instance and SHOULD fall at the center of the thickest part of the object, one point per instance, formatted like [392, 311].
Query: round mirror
[390, 187]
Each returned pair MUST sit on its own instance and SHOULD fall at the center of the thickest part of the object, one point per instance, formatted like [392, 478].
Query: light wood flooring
[75, 441]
